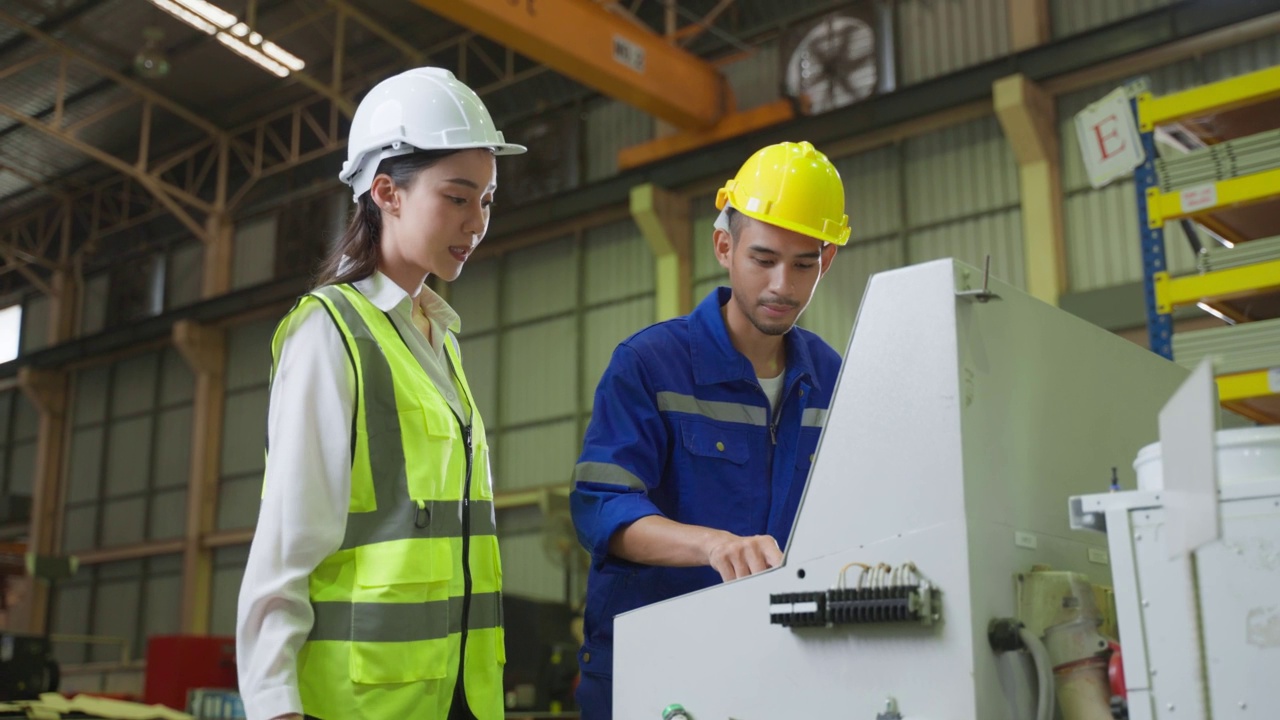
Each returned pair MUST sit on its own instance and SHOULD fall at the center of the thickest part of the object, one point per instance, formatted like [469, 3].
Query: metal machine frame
[965, 417]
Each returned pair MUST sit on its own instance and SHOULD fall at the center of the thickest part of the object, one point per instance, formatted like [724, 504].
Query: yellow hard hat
[793, 186]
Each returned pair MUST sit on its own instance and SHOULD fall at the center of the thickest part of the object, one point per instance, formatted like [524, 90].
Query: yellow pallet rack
[1238, 391]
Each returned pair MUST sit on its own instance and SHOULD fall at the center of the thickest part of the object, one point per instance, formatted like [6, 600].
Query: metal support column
[47, 391]
[204, 349]
[1159, 325]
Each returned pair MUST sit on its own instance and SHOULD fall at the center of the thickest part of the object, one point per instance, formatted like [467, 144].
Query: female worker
[372, 588]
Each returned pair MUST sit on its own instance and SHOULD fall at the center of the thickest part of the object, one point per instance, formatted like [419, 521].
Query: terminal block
[915, 603]
[798, 609]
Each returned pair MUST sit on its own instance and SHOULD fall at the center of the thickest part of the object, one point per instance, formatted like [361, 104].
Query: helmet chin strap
[722, 221]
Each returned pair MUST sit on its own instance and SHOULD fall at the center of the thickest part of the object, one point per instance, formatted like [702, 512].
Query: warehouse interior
[169, 184]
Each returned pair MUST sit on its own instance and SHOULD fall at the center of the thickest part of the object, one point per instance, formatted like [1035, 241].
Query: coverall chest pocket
[712, 445]
[807, 449]
[719, 490]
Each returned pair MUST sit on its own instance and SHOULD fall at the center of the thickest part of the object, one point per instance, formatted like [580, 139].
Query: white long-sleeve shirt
[307, 484]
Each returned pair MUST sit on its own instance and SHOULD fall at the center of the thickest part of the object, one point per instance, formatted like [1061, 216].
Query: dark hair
[736, 222]
[360, 244]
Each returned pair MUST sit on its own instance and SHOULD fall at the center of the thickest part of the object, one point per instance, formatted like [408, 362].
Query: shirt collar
[716, 360]
[387, 296]
[436, 308]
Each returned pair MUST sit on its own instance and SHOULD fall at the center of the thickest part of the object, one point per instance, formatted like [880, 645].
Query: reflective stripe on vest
[403, 622]
[388, 603]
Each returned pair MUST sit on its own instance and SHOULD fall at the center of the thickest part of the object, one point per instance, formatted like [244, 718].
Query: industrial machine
[1195, 556]
[933, 543]
[27, 664]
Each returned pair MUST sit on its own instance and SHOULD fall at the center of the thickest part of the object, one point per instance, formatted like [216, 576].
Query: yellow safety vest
[390, 605]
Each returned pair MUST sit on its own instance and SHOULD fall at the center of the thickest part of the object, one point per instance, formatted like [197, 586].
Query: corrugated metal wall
[254, 258]
[1101, 226]
[228, 572]
[35, 324]
[244, 426]
[1069, 17]
[873, 193]
[874, 201]
[127, 475]
[184, 276]
[241, 461]
[539, 326]
[19, 426]
[950, 193]
[756, 79]
[938, 37]
[93, 304]
[707, 273]
[129, 455]
[618, 300]
[125, 601]
[611, 126]
[538, 367]
[835, 304]
[961, 198]
[959, 171]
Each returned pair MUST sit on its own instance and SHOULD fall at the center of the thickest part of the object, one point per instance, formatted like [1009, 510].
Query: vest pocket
[404, 566]
[430, 462]
[401, 614]
[480, 478]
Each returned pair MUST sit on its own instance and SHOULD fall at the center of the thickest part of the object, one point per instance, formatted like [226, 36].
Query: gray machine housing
[961, 426]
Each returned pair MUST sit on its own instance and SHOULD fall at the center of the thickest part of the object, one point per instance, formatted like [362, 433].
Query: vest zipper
[466, 568]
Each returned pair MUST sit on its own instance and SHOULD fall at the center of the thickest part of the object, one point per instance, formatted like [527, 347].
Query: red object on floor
[1115, 672]
[178, 663]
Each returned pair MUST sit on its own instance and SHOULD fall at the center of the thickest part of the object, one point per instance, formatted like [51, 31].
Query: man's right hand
[655, 540]
[735, 557]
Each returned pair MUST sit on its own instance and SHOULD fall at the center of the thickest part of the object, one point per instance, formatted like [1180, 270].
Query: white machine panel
[958, 432]
[1239, 593]
[1224, 607]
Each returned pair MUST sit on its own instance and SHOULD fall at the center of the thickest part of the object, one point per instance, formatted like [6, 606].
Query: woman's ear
[383, 192]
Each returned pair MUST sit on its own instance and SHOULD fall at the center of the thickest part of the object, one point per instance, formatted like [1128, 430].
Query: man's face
[772, 271]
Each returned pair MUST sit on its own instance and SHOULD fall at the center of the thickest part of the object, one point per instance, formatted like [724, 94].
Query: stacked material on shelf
[1246, 253]
[1236, 158]
[1235, 349]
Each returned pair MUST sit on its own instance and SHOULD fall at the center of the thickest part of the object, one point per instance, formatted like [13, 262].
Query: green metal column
[663, 219]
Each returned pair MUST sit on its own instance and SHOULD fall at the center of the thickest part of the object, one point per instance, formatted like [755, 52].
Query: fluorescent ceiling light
[251, 53]
[230, 31]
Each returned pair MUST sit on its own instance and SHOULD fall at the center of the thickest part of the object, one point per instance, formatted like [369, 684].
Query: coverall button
[720, 446]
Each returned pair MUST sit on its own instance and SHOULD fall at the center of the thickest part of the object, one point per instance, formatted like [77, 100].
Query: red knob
[1115, 672]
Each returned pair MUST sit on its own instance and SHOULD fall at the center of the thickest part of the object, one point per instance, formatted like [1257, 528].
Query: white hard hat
[425, 108]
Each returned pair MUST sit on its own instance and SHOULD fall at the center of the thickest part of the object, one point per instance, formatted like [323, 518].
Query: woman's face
[435, 223]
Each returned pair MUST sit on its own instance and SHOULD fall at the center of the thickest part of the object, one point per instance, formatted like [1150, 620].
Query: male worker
[705, 426]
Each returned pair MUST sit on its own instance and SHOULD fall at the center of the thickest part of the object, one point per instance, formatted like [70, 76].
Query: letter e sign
[1109, 139]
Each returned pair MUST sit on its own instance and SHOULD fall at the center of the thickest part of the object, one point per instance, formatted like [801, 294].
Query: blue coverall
[681, 428]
